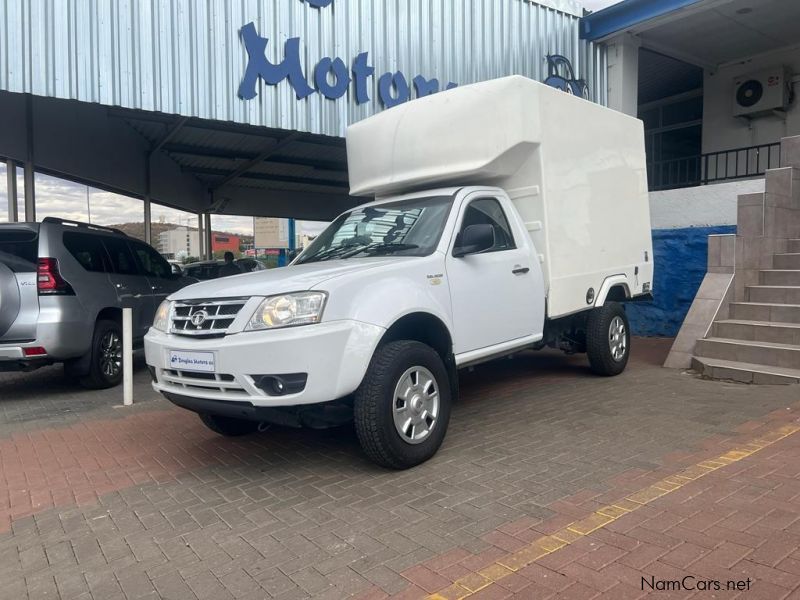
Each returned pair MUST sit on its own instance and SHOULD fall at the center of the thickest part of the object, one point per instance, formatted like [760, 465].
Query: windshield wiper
[379, 247]
[331, 252]
[348, 251]
[389, 247]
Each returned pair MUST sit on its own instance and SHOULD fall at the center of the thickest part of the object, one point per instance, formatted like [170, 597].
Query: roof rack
[60, 221]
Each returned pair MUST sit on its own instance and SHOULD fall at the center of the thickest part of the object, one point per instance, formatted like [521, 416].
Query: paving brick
[146, 500]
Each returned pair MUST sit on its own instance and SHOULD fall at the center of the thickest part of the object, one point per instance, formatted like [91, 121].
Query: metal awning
[706, 33]
[227, 158]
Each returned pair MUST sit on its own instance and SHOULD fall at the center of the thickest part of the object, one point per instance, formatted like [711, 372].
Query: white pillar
[207, 230]
[201, 237]
[11, 179]
[623, 74]
[127, 356]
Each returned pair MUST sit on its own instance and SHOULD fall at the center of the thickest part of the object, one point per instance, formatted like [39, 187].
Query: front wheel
[402, 407]
[608, 339]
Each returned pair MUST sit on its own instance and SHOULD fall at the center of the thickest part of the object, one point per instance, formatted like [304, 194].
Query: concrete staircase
[744, 323]
[759, 341]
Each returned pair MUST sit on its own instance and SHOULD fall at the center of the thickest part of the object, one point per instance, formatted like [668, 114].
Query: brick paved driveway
[107, 502]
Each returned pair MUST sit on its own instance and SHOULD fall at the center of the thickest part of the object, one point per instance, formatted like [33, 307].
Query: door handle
[520, 271]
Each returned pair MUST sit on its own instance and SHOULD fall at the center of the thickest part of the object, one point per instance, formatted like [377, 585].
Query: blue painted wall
[680, 265]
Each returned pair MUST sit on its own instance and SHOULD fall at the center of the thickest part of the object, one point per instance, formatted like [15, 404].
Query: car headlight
[161, 321]
[286, 310]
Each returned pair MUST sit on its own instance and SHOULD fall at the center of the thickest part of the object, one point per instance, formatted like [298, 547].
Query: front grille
[190, 380]
[205, 317]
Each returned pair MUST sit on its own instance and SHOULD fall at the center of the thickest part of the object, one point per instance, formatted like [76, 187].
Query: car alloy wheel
[415, 405]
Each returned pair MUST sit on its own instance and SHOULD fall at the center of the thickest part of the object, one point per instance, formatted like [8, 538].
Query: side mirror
[474, 239]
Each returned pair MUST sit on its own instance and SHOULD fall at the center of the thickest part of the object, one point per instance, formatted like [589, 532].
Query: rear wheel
[105, 361]
[228, 426]
[402, 407]
[608, 339]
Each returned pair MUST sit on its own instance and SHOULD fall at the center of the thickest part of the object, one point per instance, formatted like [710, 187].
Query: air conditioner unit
[761, 92]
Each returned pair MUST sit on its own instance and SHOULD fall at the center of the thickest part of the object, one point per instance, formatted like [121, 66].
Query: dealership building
[240, 108]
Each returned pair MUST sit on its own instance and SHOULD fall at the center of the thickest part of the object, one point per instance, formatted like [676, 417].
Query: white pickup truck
[509, 215]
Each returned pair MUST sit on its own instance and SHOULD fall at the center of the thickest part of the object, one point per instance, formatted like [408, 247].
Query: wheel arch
[427, 328]
[109, 313]
[613, 289]
[422, 327]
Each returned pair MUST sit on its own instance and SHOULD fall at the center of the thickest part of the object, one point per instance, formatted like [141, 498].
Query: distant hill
[137, 230]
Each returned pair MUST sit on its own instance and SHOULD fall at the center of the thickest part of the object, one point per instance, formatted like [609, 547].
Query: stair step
[787, 261]
[759, 331]
[750, 351]
[774, 294]
[789, 277]
[764, 311]
[714, 368]
[793, 246]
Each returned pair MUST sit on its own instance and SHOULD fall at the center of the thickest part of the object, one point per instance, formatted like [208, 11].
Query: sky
[60, 198]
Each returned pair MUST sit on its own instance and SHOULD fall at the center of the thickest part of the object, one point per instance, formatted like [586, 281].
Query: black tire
[229, 426]
[374, 405]
[599, 343]
[105, 363]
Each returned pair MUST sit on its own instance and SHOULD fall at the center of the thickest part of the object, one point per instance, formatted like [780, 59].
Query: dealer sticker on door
[191, 361]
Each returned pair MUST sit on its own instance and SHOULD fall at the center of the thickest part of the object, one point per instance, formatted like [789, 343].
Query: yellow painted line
[505, 566]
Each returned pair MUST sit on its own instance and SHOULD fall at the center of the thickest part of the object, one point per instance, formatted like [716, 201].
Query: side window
[152, 262]
[122, 260]
[488, 211]
[87, 249]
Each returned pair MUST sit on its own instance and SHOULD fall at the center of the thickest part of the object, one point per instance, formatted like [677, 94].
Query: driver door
[493, 292]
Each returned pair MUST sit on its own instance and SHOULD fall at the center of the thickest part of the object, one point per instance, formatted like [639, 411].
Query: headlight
[161, 322]
[286, 310]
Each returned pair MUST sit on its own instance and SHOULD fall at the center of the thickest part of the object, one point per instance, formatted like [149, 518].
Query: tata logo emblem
[198, 318]
[319, 3]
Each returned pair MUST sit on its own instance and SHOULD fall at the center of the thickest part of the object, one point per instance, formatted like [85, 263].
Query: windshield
[406, 228]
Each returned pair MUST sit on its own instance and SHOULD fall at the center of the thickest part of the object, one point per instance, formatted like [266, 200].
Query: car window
[87, 249]
[488, 211]
[19, 250]
[203, 271]
[122, 260]
[151, 261]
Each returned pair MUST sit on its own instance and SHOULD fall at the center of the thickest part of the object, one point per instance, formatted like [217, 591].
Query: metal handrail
[711, 167]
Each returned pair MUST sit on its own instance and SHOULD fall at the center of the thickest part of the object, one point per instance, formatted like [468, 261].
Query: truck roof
[475, 134]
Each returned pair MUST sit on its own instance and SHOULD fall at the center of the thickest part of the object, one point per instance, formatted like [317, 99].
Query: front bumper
[334, 355]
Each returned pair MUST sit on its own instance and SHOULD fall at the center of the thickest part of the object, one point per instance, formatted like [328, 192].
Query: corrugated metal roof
[185, 57]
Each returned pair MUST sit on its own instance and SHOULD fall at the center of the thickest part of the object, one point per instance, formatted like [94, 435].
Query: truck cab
[373, 320]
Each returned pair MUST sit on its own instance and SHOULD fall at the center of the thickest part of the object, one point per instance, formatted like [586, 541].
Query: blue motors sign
[332, 77]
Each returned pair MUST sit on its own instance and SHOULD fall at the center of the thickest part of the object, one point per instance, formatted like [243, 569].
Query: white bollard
[127, 356]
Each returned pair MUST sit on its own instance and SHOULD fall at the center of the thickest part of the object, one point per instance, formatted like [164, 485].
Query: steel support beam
[269, 177]
[314, 163]
[273, 149]
[29, 173]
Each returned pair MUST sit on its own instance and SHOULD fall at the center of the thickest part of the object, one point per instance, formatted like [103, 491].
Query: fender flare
[608, 283]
